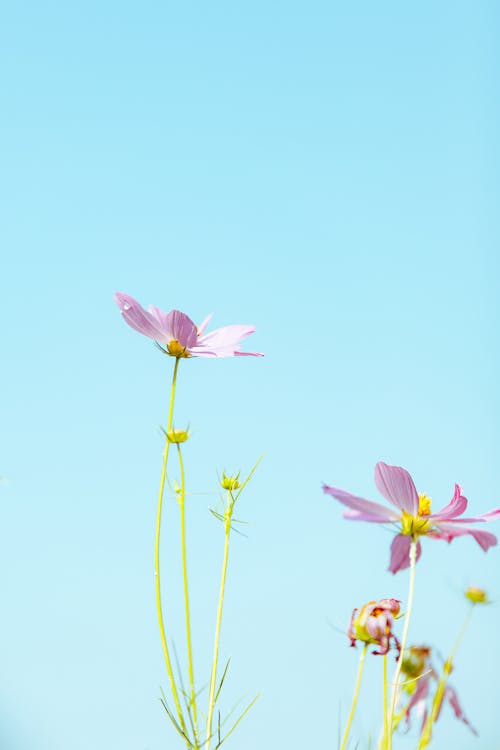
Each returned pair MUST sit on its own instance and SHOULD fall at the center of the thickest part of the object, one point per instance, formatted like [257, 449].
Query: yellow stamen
[424, 505]
[175, 349]
[414, 525]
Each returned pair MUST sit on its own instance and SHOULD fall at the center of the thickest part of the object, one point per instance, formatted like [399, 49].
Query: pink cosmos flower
[181, 337]
[373, 623]
[420, 675]
[411, 513]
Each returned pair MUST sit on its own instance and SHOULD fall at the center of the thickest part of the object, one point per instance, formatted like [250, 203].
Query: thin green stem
[213, 678]
[404, 639]
[355, 697]
[159, 607]
[182, 503]
[426, 735]
[385, 698]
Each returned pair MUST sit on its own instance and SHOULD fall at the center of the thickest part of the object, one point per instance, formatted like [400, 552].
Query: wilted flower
[476, 595]
[180, 336]
[412, 514]
[373, 623]
[420, 676]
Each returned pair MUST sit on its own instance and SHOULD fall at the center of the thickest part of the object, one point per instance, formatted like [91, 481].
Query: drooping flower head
[411, 514]
[179, 336]
[420, 676]
[373, 623]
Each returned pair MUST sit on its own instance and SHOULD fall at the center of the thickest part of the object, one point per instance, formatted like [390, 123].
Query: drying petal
[451, 696]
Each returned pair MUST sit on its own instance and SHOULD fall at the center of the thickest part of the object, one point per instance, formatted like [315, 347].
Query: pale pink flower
[411, 513]
[373, 623]
[179, 335]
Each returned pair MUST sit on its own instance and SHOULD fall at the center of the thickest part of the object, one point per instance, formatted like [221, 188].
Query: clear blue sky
[328, 172]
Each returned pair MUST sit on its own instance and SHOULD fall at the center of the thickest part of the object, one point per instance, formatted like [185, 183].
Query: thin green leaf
[252, 472]
[174, 722]
[247, 709]
[222, 680]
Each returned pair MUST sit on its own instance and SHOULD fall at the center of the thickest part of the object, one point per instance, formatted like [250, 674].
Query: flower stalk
[437, 702]
[404, 640]
[181, 496]
[357, 687]
[228, 514]
[159, 607]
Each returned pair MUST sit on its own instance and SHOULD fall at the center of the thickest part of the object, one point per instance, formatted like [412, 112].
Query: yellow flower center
[175, 349]
[419, 524]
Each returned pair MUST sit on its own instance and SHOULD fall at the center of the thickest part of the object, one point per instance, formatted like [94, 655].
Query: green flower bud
[230, 483]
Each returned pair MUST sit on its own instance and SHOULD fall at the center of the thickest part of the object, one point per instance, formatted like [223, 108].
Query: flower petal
[160, 316]
[361, 509]
[419, 698]
[203, 325]
[452, 698]
[455, 507]
[450, 529]
[181, 328]
[223, 342]
[226, 337]
[137, 318]
[491, 515]
[397, 486]
[400, 552]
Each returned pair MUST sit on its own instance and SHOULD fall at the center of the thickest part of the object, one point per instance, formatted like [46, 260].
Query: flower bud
[230, 483]
[177, 436]
[476, 595]
[373, 623]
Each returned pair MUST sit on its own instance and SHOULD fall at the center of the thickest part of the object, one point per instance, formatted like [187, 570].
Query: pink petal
[223, 342]
[419, 697]
[226, 337]
[137, 318]
[491, 515]
[160, 316]
[400, 553]
[452, 698]
[362, 510]
[203, 325]
[181, 328]
[396, 485]
[455, 507]
[450, 529]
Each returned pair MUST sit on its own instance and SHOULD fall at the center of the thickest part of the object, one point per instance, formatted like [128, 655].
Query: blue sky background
[328, 172]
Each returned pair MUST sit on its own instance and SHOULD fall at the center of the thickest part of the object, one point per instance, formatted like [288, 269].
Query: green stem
[404, 639]
[361, 666]
[213, 678]
[182, 502]
[426, 735]
[386, 726]
[159, 609]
